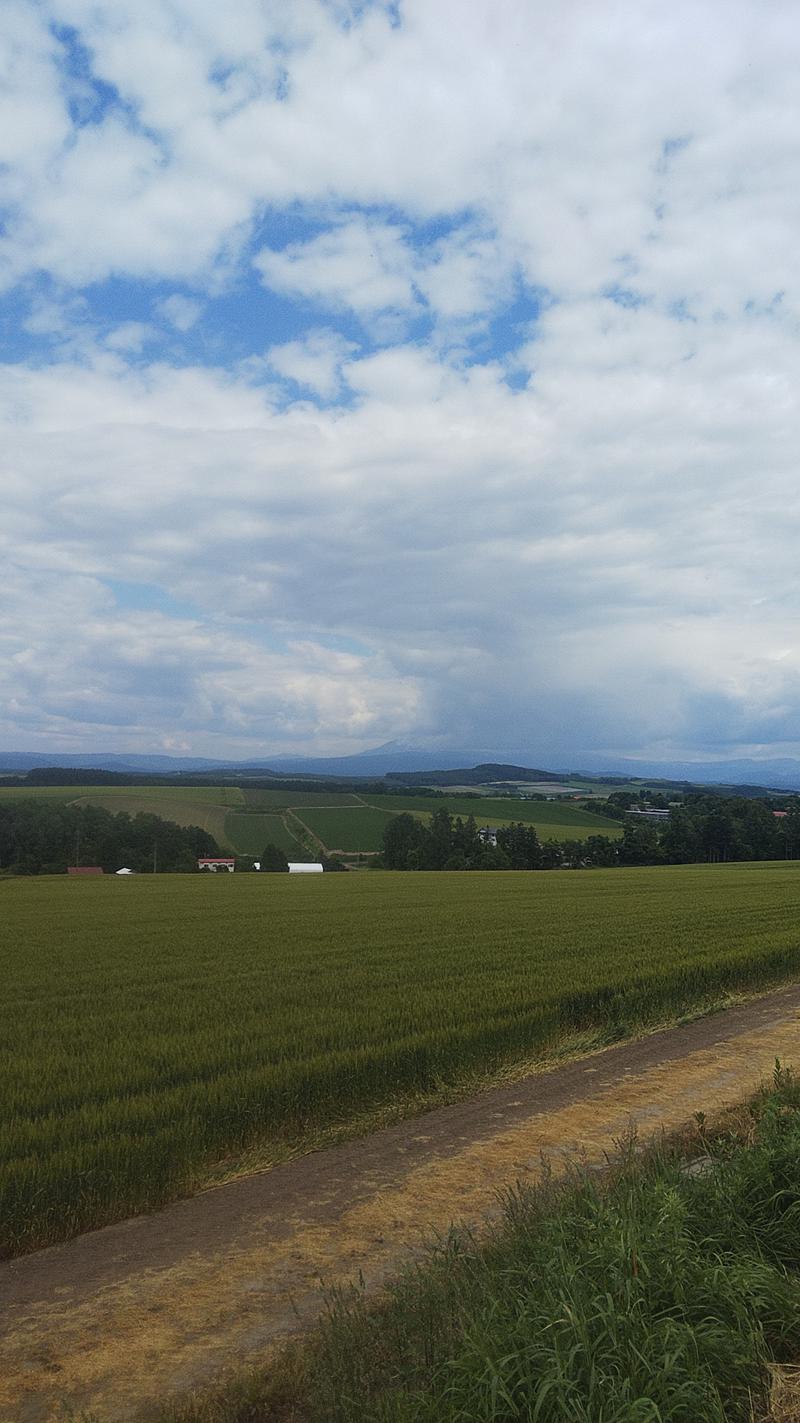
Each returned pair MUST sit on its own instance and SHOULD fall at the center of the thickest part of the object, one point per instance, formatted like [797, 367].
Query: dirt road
[161, 1303]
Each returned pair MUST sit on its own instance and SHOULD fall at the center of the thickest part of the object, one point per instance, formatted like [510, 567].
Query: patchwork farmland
[254, 1017]
[244, 820]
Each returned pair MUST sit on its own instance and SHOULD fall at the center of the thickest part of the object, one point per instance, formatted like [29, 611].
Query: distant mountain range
[778, 774]
[367, 763]
[782, 774]
[486, 774]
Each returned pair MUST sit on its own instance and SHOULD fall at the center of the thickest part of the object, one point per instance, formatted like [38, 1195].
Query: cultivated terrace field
[158, 1028]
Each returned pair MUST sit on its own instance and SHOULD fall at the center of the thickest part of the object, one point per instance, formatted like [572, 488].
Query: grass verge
[664, 1288]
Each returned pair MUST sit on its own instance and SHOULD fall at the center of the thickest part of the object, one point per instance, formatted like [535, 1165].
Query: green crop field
[67, 793]
[552, 820]
[155, 1026]
[360, 828]
[248, 834]
[278, 800]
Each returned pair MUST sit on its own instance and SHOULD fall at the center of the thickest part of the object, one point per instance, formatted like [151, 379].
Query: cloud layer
[420, 372]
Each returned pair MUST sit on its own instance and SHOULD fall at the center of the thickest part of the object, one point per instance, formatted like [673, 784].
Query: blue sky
[399, 372]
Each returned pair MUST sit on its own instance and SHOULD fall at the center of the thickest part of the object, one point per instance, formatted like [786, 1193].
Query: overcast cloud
[422, 371]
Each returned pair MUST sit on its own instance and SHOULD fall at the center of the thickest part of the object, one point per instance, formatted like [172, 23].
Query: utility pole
[155, 857]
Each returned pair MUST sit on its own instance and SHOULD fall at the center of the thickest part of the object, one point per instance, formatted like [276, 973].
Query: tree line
[39, 837]
[702, 829]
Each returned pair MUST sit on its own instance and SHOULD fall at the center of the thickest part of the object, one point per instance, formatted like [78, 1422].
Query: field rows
[154, 1026]
[358, 829]
[249, 833]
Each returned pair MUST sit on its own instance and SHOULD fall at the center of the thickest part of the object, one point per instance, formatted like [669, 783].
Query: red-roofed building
[209, 862]
[84, 870]
[780, 814]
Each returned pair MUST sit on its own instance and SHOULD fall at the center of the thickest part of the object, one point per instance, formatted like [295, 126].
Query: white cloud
[597, 543]
[182, 312]
[610, 549]
[76, 672]
[466, 275]
[376, 269]
[550, 123]
[34, 123]
[130, 336]
[361, 264]
[315, 361]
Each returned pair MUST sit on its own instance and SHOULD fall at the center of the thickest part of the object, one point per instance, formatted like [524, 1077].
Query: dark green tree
[402, 843]
[438, 844]
[640, 845]
[492, 857]
[520, 844]
[680, 839]
[273, 860]
[466, 842]
[601, 852]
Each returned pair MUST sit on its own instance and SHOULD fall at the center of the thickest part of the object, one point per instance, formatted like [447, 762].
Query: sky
[421, 372]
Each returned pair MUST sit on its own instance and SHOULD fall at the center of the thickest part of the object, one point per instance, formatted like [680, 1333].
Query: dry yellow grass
[784, 1401]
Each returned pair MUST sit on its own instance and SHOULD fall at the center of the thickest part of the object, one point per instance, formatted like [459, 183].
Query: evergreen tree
[273, 860]
[402, 842]
[438, 845]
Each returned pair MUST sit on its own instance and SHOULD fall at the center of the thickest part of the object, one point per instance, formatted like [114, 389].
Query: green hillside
[248, 834]
[552, 820]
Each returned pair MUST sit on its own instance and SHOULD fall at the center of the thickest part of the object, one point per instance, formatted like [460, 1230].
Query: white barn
[296, 867]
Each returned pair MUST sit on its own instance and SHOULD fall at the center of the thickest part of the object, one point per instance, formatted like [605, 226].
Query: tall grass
[653, 1294]
[153, 1026]
[662, 1295]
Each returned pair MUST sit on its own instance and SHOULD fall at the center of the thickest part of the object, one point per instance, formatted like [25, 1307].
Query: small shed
[297, 867]
[84, 869]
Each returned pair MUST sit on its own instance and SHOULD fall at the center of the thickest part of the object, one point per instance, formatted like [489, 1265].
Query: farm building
[297, 868]
[487, 835]
[222, 862]
[84, 870]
